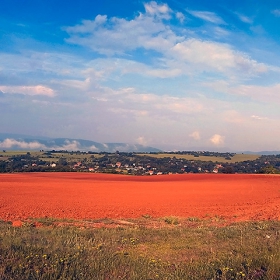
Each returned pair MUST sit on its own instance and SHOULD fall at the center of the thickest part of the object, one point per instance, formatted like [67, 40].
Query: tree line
[136, 164]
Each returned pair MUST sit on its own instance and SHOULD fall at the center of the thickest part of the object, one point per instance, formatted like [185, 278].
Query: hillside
[26, 142]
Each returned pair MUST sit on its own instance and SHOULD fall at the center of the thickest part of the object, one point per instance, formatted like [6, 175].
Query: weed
[193, 219]
[171, 220]
[136, 253]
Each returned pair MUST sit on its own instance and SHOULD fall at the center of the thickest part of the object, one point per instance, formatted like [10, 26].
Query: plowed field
[92, 196]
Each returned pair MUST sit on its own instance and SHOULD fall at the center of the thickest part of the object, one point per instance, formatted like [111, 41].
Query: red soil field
[93, 196]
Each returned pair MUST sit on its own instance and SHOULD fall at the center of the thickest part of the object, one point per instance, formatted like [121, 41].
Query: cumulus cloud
[93, 148]
[195, 135]
[180, 16]
[116, 35]
[141, 140]
[153, 8]
[12, 143]
[69, 145]
[28, 90]
[118, 93]
[217, 139]
[213, 56]
[179, 54]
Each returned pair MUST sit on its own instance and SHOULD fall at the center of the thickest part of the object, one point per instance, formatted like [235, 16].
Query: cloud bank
[167, 75]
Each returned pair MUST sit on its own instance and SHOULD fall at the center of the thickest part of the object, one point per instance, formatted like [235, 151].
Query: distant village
[135, 164]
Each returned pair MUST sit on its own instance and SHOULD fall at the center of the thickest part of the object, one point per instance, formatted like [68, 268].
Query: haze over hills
[9, 141]
[26, 142]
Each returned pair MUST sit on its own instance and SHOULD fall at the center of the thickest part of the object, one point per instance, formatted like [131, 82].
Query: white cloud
[142, 141]
[153, 8]
[138, 106]
[93, 148]
[195, 135]
[276, 12]
[207, 16]
[258, 30]
[189, 58]
[164, 73]
[28, 90]
[175, 86]
[156, 104]
[217, 140]
[267, 94]
[117, 35]
[180, 16]
[12, 143]
[69, 145]
[258, 117]
[221, 32]
[179, 53]
[88, 25]
[212, 56]
[79, 84]
[244, 18]
[179, 105]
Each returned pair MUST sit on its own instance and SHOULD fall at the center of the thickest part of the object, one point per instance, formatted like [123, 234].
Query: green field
[235, 158]
[168, 248]
[70, 157]
[74, 157]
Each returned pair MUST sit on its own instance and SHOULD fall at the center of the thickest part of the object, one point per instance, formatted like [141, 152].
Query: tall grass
[239, 251]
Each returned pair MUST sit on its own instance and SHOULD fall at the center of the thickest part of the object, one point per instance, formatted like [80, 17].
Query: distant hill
[27, 142]
[266, 153]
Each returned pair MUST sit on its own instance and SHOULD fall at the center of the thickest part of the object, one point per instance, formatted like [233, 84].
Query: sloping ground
[93, 196]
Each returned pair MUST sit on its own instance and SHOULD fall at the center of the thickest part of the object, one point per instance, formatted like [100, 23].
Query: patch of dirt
[84, 196]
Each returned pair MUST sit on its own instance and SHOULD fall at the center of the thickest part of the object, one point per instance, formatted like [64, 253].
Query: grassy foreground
[193, 250]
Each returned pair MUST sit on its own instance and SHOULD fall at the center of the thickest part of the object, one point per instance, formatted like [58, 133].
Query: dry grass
[192, 249]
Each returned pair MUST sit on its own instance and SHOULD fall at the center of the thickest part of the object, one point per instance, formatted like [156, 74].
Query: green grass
[235, 158]
[73, 157]
[192, 249]
[70, 157]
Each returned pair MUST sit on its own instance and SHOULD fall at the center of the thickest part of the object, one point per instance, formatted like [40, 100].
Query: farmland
[104, 226]
[93, 196]
[137, 164]
[78, 156]
[218, 158]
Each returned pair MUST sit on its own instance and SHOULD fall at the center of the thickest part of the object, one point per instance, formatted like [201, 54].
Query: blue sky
[175, 74]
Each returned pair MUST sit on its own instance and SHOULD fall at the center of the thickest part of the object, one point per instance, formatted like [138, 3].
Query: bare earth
[92, 196]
